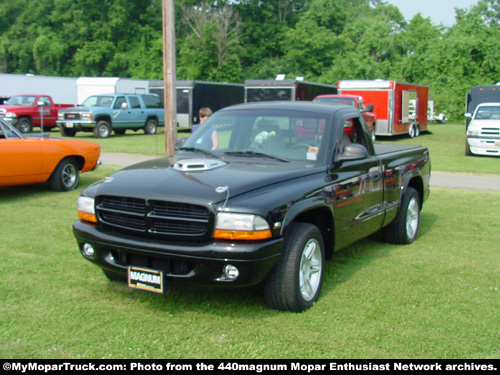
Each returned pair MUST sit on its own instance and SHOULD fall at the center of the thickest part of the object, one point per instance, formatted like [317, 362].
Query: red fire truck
[401, 108]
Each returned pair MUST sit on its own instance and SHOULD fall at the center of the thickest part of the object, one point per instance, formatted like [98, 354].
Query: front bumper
[484, 146]
[78, 124]
[189, 264]
[11, 120]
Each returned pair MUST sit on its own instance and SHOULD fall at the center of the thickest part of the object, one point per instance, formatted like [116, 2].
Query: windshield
[98, 101]
[23, 100]
[7, 131]
[488, 113]
[274, 134]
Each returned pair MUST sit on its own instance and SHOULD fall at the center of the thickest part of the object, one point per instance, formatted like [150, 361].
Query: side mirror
[353, 151]
[468, 115]
[370, 107]
[40, 103]
[124, 106]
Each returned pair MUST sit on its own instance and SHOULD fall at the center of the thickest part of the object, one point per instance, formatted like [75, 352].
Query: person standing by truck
[209, 142]
[203, 114]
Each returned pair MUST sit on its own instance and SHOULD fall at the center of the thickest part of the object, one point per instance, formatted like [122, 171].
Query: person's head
[204, 113]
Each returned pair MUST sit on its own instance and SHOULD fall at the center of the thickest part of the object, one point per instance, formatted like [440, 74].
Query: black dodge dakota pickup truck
[261, 193]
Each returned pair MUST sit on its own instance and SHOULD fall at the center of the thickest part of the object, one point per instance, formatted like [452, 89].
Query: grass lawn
[437, 298]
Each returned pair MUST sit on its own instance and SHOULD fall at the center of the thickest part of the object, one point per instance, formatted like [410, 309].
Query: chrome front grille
[72, 116]
[157, 218]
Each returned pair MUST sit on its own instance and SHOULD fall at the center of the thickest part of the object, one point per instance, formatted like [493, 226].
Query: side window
[353, 133]
[134, 102]
[153, 101]
[361, 105]
[45, 100]
[119, 101]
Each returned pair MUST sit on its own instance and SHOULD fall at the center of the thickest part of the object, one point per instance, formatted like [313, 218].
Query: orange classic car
[30, 160]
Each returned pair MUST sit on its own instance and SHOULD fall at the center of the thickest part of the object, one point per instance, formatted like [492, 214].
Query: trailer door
[183, 107]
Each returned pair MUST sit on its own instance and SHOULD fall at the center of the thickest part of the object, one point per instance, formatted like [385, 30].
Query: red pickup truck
[355, 101]
[27, 111]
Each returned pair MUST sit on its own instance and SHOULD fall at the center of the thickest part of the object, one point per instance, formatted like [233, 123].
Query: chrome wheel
[404, 228]
[66, 176]
[412, 218]
[295, 283]
[69, 175]
[310, 269]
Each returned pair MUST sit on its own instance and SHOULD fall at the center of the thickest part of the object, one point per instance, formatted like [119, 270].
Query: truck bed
[382, 149]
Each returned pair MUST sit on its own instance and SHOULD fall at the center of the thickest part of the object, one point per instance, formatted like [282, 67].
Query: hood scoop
[197, 165]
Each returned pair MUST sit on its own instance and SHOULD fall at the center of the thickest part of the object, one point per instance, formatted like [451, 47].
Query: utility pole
[169, 75]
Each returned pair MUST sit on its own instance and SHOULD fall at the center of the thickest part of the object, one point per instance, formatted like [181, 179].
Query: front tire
[296, 282]
[102, 129]
[66, 132]
[25, 125]
[467, 149]
[404, 228]
[66, 176]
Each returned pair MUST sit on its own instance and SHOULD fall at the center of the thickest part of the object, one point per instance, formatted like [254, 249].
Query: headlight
[60, 116]
[472, 131]
[11, 114]
[230, 226]
[86, 211]
[86, 116]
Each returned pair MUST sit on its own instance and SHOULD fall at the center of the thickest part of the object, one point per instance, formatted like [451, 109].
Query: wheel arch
[417, 183]
[80, 161]
[152, 117]
[318, 215]
[103, 117]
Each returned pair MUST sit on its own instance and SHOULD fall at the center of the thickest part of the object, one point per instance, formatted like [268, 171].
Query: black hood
[164, 177]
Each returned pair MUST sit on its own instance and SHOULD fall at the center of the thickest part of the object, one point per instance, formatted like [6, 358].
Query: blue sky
[439, 11]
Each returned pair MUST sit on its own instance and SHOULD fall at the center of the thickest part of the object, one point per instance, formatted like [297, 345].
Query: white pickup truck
[483, 131]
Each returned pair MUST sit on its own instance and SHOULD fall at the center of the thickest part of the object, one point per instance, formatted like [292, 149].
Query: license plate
[145, 279]
[497, 143]
[69, 125]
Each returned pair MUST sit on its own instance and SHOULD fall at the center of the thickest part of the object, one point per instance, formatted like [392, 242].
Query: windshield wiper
[200, 150]
[255, 154]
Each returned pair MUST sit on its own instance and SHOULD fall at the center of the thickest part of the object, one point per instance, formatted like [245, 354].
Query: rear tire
[404, 228]
[66, 176]
[372, 134]
[151, 127]
[296, 282]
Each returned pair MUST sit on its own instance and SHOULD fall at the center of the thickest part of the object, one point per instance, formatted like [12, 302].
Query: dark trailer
[193, 95]
[481, 94]
[258, 90]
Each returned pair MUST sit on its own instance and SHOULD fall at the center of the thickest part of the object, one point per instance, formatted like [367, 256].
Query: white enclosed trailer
[87, 86]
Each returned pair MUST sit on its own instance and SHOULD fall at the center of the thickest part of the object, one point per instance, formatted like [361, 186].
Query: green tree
[314, 42]
[211, 46]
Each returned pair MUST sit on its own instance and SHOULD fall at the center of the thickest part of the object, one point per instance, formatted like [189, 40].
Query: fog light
[231, 272]
[88, 250]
